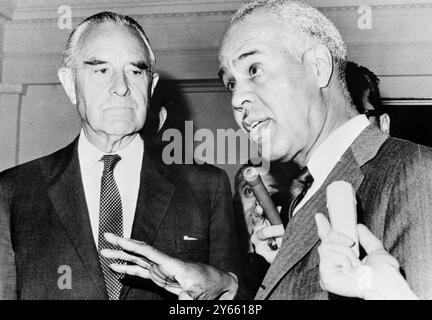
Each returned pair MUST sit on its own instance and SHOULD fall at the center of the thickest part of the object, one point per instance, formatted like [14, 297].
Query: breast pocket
[194, 250]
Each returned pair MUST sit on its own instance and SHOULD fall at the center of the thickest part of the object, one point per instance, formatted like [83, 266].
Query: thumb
[323, 226]
[270, 231]
[367, 240]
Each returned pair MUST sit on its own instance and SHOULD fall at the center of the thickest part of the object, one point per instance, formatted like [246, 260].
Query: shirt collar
[326, 156]
[89, 155]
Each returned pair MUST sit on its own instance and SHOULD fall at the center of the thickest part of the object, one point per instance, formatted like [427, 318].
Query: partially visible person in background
[248, 213]
[364, 90]
[250, 220]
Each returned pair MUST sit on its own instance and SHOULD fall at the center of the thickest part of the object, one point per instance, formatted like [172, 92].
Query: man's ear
[67, 80]
[385, 123]
[155, 79]
[321, 62]
[162, 117]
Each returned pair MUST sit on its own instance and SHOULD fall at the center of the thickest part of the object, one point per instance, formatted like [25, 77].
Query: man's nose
[119, 84]
[242, 96]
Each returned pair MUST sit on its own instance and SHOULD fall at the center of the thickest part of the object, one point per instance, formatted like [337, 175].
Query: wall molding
[11, 88]
[41, 11]
[407, 102]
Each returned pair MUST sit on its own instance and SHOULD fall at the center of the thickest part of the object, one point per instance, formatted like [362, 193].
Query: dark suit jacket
[393, 183]
[7, 260]
[50, 224]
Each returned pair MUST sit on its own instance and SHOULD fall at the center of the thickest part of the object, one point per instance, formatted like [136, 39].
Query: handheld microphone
[341, 205]
[253, 179]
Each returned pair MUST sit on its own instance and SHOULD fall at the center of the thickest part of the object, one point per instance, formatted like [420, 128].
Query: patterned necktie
[297, 191]
[110, 220]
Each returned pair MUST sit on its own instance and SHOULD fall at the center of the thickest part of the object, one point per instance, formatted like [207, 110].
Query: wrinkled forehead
[109, 37]
[260, 31]
[256, 27]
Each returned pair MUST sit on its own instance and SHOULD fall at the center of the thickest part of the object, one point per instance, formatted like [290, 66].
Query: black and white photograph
[233, 151]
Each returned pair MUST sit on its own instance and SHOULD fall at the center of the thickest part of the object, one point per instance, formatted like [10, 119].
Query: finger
[327, 248]
[367, 240]
[132, 270]
[258, 210]
[339, 238]
[140, 248]
[323, 226]
[271, 231]
[158, 278]
[257, 215]
[121, 255]
[333, 259]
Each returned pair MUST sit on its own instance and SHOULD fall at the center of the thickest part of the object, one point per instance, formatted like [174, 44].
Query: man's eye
[230, 86]
[248, 192]
[102, 70]
[255, 70]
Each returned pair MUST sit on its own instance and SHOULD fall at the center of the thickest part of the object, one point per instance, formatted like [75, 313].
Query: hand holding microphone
[377, 276]
[253, 179]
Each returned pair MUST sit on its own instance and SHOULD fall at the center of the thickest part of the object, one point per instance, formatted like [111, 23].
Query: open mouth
[256, 129]
[255, 124]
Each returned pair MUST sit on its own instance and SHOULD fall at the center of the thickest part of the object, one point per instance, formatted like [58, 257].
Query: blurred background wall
[392, 38]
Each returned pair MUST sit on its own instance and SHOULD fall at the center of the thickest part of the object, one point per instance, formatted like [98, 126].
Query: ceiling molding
[40, 11]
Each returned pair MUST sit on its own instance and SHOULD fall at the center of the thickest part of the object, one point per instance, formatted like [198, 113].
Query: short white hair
[307, 23]
[79, 35]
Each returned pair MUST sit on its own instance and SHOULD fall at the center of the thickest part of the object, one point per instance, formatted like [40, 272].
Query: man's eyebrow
[248, 54]
[94, 62]
[141, 65]
[243, 56]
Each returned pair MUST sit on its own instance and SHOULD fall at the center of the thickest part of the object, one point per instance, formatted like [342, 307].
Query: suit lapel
[301, 234]
[68, 198]
[154, 196]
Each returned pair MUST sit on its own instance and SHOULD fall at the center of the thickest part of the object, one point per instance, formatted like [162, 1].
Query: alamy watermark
[226, 146]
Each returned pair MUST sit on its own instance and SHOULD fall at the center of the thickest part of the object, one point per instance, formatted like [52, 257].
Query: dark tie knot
[110, 160]
[297, 191]
[305, 177]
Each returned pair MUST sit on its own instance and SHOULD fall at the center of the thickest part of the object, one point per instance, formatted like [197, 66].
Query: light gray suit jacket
[393, 183]
[7, 257]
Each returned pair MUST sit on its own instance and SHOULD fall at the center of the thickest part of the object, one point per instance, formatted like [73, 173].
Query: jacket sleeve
[408, 221]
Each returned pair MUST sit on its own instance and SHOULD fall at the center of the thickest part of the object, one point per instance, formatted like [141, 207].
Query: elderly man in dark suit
[284, 64]
[109, 180]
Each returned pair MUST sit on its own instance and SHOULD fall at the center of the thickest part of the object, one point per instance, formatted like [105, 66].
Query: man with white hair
[110, 180]
[284, 64]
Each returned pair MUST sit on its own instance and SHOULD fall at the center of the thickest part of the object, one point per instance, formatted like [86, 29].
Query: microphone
[341, 205]
[253, 179]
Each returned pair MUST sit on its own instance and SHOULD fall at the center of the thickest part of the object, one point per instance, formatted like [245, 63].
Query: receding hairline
[285, 41]
[81, 34]
[92, 32]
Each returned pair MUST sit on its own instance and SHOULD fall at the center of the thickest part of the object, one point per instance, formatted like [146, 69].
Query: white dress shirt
[327, 155]
[126, 174]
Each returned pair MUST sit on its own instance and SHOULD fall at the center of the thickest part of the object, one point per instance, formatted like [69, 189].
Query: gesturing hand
[186, 279]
